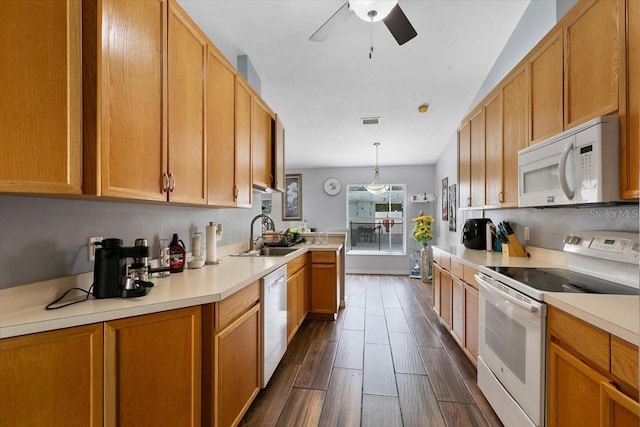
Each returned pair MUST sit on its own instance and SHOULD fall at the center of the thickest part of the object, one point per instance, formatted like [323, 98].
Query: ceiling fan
[387, 11]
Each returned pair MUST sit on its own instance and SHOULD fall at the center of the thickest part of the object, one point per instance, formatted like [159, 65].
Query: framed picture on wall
[452, 207]
[292, 198]
[445, 198]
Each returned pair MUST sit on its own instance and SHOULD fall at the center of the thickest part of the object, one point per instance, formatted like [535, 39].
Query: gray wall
[326, 212]
[43, 238]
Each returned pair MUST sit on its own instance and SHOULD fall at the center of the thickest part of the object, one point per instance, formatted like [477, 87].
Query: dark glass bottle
[177, 255]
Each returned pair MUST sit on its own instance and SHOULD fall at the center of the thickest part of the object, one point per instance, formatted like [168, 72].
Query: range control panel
[612, 245]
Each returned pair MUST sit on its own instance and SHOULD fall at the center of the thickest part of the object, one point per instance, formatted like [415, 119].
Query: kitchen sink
[267, 251]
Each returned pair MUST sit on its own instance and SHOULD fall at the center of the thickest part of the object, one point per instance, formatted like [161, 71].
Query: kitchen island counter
[22, 308]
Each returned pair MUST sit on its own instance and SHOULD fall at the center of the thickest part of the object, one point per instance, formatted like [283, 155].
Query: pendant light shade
[372, 10]
[376, 187]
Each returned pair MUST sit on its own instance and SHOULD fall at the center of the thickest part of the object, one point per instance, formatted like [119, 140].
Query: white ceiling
[322, 90]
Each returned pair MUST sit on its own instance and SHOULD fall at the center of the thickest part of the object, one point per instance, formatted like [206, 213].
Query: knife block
[514, 248]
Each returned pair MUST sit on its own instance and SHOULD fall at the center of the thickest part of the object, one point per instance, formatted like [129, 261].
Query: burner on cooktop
[563, 280]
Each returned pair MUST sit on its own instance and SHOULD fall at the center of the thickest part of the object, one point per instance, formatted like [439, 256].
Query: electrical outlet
[526, 233]
[91, 247]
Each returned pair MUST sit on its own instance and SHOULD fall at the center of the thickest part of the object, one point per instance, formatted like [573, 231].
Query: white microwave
[579, 166]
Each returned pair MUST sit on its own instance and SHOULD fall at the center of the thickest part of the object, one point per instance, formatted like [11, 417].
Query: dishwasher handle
[276, 282]
[491, 288]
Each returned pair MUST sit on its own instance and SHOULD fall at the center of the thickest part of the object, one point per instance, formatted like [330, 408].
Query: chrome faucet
[267, 221]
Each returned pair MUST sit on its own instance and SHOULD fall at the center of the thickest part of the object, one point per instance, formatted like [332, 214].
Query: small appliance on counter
[474, 233]
[114, 276]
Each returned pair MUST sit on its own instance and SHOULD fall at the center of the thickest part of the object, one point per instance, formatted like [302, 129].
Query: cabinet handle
[165, 184]
[172, 182]
[500, 197]
[468, 201]
[235, 192]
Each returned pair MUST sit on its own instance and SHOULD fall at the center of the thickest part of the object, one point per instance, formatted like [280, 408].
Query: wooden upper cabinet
[594, 41]
[220, 130]
[124, 74]
[243, 187]
[464, 165]
[187, 53]
[261, 143]
[546, 62]
[53, 378]
[41, 87]
[630, 149]
[515, 119]
[493, 150]
[153, 367]
[278, 161]
[477, 159]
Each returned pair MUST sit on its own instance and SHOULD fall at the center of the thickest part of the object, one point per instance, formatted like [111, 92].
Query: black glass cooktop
[561, 280]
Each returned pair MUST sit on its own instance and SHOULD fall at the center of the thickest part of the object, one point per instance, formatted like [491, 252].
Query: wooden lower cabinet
[231, 354]
[455, 299]
[53, 377]
[153, 371]
[588, 383]
[297, 294]
[324, 292]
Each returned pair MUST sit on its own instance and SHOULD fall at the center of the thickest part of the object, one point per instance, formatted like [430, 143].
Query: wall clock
[332, 186]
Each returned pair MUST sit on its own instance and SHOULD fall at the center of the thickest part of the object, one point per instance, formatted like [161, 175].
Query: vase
[425, 264]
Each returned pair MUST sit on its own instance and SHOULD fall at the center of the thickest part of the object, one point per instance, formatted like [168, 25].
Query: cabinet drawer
[445, 261]
[233, 306]
[437, 257]
[296, 264]
[468, 274]
[323, 257]
[591, 343]
[624, 361]
[457, 268]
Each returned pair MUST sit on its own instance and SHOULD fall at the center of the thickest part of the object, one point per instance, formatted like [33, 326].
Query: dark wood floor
[386, 361]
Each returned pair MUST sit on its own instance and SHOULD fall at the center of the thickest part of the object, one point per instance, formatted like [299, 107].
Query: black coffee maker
[474, 233]
[114, 276]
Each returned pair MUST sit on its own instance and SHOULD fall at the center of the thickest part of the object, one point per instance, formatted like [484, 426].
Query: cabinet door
[292, 306]
[464, 165]
[593, 52]
[324, 298]
[477, 159]
[493, 150]
[41, 87]
[187, 53]
[618, 410]
[243, 189]
[515, 114]
[471, 322]
[220, 130]
[278, 163]
[153, 369]
[237, 368]
[457, 310]
[446, 285]
[302, 294]
[261, 144]
[437, 271]
[573, 390]
[546, 87]
[630, 144]
[52, 378]
[125, 131]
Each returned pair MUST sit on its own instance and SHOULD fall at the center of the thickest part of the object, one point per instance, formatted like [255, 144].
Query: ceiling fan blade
[336, 19]
[400, 27]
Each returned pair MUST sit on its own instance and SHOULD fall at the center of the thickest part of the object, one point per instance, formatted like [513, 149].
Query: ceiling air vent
[370, 121]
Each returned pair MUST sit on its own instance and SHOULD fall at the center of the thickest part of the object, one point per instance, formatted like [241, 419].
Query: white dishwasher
[274, 321]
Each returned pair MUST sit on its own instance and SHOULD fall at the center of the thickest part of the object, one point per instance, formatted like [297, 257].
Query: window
[376, 222]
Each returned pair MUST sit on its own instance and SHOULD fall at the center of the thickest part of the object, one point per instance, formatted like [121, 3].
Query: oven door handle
[497, 292]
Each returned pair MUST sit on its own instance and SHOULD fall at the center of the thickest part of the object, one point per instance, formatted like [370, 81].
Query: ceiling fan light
[382, 8]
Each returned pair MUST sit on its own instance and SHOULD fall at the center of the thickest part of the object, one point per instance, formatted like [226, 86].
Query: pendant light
[376, 187]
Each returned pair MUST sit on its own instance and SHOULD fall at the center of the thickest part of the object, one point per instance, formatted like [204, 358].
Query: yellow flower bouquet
[422, 226]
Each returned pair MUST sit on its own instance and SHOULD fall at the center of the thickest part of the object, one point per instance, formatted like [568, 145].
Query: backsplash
[44, 238]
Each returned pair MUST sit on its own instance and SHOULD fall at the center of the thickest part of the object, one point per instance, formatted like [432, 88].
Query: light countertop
[22, 308]
[618, 315]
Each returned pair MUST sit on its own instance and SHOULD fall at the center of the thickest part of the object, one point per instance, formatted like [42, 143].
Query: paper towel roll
[212, 249]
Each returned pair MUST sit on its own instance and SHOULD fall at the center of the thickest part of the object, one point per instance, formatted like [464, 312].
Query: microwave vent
[370, 121]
